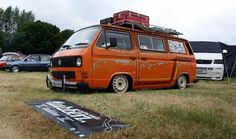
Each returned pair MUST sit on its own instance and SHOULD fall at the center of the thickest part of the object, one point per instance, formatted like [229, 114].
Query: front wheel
[49, 83]
[181, 82]
[120, 84]
[48, 69]
[15, 69]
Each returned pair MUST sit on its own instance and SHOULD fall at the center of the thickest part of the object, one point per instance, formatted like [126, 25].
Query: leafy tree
[65, 34]
[1, 39]
[20, 32]
[37, 37]
[10, 20]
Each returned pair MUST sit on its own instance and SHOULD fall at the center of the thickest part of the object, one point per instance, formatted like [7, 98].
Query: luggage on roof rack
[128, 16]
[165, 30]
[136, 21]
[135, 25]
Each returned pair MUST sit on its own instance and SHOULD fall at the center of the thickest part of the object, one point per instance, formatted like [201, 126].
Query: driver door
[31, 63]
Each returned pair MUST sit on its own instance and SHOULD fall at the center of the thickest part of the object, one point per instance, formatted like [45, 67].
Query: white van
[209, 66]
[209, 60]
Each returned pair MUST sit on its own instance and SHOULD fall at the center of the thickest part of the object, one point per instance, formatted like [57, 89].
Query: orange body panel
[146, 69]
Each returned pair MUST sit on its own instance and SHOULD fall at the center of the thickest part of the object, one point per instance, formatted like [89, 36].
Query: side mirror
[113, 42]
[225, 51]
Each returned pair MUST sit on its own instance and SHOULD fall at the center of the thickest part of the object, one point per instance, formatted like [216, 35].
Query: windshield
[6, 58]
[81, 38]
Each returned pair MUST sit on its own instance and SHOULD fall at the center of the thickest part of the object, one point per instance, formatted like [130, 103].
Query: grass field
[203, 110]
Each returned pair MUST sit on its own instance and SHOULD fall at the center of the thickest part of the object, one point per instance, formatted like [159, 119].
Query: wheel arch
[128, 75]
[186, 75]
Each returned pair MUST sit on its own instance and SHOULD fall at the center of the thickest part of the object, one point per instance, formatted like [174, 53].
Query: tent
[206, 47]
[230, 58]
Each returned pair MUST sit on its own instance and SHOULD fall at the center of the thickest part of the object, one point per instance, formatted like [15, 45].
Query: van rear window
[176, 47]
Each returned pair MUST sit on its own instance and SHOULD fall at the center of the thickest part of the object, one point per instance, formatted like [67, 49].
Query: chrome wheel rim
[182, 82]
[120, 84]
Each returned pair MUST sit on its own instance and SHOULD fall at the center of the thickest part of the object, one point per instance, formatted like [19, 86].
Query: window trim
[118, 32]
[165, 50]
[186, 52]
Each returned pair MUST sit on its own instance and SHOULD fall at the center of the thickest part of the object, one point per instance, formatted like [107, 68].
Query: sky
[198, 20]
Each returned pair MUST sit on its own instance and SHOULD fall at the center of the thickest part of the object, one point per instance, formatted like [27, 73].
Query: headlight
[79, 62]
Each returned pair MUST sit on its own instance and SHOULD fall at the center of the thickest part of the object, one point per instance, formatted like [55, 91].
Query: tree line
[19, 31]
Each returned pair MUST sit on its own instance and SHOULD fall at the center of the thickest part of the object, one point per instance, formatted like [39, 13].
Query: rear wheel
[15, 69]
[120, 84]
[181, 82]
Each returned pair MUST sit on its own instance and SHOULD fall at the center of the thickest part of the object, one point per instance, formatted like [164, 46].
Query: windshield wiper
[81, 43]
[66, 46]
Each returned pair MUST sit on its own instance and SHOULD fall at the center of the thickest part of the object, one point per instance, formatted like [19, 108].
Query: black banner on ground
[79, 120]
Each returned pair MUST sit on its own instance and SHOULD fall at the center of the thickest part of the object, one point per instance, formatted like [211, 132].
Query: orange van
[122, 58]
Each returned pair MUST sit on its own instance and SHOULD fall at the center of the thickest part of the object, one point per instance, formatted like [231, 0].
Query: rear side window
[123, 39]
[45, 58]
[176, 47]
[33, 58]
[151, 43]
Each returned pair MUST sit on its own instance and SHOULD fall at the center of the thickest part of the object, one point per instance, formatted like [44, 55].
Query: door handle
[143, 58]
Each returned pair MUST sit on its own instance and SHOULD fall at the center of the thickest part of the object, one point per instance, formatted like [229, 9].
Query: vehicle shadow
[83, 92]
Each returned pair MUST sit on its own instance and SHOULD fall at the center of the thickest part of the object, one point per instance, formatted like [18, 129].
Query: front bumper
[63, 83]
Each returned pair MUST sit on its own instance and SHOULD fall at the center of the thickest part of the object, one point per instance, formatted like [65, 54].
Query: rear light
[79, 62]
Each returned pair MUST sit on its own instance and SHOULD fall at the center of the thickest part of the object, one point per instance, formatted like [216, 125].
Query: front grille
[64, 62]
[200, 61]
[201, 70]
[59, 74]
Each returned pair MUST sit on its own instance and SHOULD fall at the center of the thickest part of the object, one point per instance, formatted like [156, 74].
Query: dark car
[33, 62]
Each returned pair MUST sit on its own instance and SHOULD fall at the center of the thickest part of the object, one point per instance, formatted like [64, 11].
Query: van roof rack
[135, 25]
[165, 30]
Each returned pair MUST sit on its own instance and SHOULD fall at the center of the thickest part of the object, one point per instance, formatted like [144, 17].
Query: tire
[15, 69]
[120, 84]
[48, 69]
[181, 82]
[49, 84]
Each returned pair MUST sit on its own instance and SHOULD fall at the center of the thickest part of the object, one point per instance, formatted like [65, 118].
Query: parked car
[33, 62]
[10, 56]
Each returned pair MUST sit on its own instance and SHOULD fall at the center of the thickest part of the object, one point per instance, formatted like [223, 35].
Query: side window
[151, 43]
[176, 47]
[102, 42]
[123, 39]
[33, 58]
[158, 44]
[45, 58]
[145, 43]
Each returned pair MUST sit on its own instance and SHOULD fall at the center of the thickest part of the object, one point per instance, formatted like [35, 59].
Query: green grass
[203, 110]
